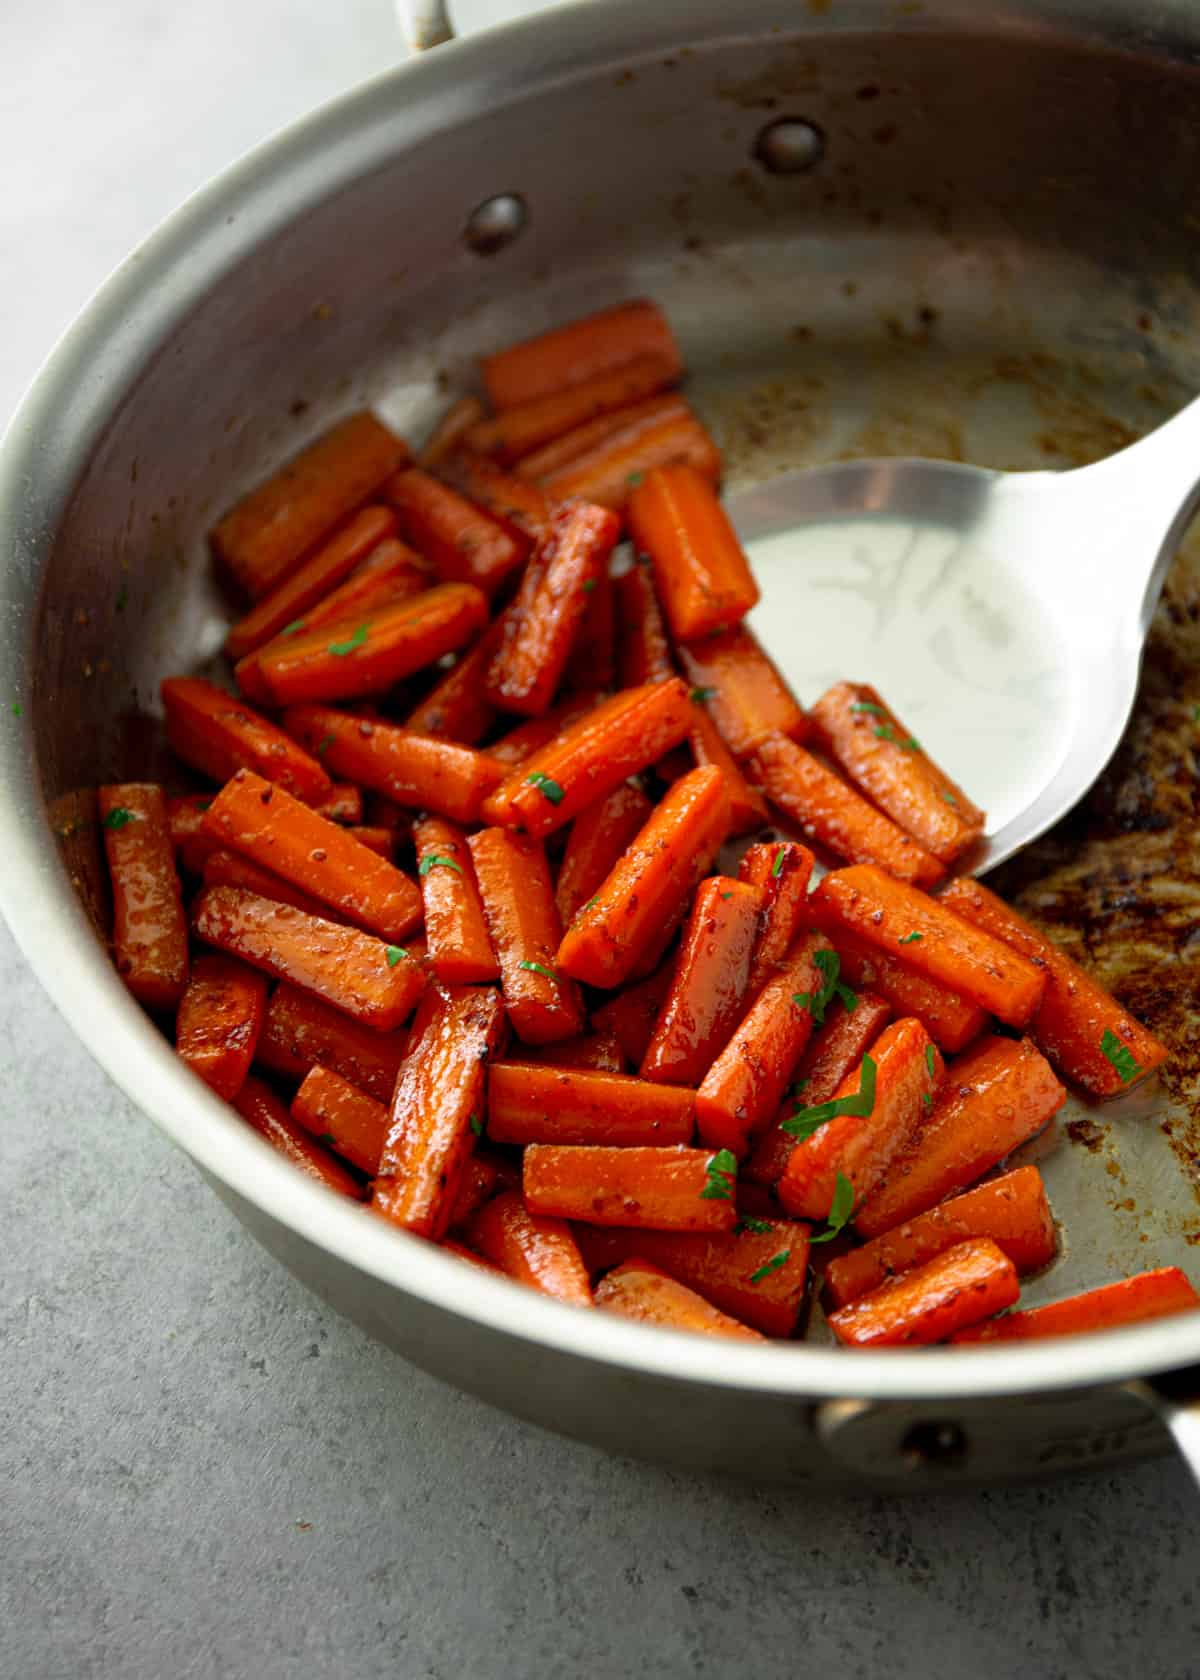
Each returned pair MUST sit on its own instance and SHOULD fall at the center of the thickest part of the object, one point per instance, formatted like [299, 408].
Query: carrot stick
[904, 922]
[460, 950]
[1131, 1301]
[456, 707]
[657, 1189]
[702, 575]
[644, 647]
[219, 735]
[512, 501]
[601, 1052]
[998, 1095]
[1079, 1027]
[356, 973]
[606, 471]
[746, 695]
[884, 758]
[185, 821]
[630, 1016]
[480, 1180]
[592, 664]
[649, 886]
[349, 1121]
[149, 926]
[526, 426]
[550, 603]
[301, 1031]
[708, 989]
[539, 1252]
[531, 736]
[598, 837]
[436, 1108]
[1012, 1211]
[747, 807]
[928, 1304]
[381, 841]
[638, 1290]
[465, 544]
[744, 1086]
[415, 770]
[342, 661]
[781, 870]
[950, 1020]
[447, 436]
[528, 1103]
[267, 534]
[223, 868]
[583, 440]
[877, 1111]
[581, 351]
[523, 922]
[220, 1018]
[261, 1108]
[277, 832]
[344, 805]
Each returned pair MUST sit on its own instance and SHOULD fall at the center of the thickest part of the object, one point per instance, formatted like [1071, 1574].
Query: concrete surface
[202, 1473]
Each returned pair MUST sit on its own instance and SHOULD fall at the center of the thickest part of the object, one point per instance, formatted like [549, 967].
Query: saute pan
[878, 227]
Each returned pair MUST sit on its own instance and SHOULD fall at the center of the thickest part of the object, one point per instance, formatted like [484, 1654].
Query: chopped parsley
[816, 1003]
[913, 744]
[771, 1265]
[539, 968]
[476, 1125]
[294, 628]
[760, 1227]
[700, 695]
[119, 816]
[341, 649]
[927, 1101]
[911, 938]
[436, 861]
[591, 904]
[840, 1209]
[17, 709]
[634, 479]
[328, 1139]
[931, 1061]
[547, 785]
[868, 706]
[720, 1176]
[324, 745]
[394, 954]
[805, 1121]
[588, 585]
[884, 732]
[122, 598]
[950, 799]
[1120, 1055]
[777, 865]
[727, 895]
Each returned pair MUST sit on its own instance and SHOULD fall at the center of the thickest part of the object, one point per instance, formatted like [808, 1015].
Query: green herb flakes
[950, 799]
[721, 1175]
[119, 816]
[840, 1209]
[546, 785]
[1120, 1055]
[912, 744]
[395, 953]
[476, 1125]
[341, 649]
[539, 968]
[884, 732]
[760, 1227]
[867, 706]
[911, 938]
[931, 1061]
[294, 628]
[700, 695]
[324, 744]
[435, 861]
[771, 1265]
[806, 1121]
[816, 1003]
[777, 865]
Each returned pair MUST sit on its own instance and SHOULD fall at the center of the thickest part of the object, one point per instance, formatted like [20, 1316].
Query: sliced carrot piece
[1081, 1029]
[220, 1017]
[460, 950]
[532, 1104]
[350, 1122]
[641, 1291]
[344, 805]
[480, 1180]
[598, 837]
[746, 695]
[535, 733]
[584, 440]
[630, 1016]
[526, 426]
[999, 1094]
[456, 708]
[747, 807]
[223, 868]
[583, 350]
[928, 1304]
[448, 435]
[381, 841]
[599, 1051]
[185, 821]
[1130, 1301]
[781, 871]
[708, 989]
[607, 471]
[703, 577]
[149, 926]
[592, 664]
[466, 545]
[951, 1021]
[301, 1031]
[267, 534]
[261, 1108]
[537, 1251]
[657, 1189]
[644, 646]
[218, 734]
[512, 501]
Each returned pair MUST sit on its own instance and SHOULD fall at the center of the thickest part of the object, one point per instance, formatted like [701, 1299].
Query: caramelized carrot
[999, 1094]
[638, 1290]
[512, 501]
[885, 759]
[956, 1288]
[649, 886]
[523, 922]
[703, 577]
[537, 1251]
[532, 1104]
[220, 1017]
[747, 807]
[535, 733]
[606, 471]
[267, 534]
[1011, 1210]
[708, 989]
[598, 837]
[744, 1086]
[415, 770]
[436, 1107]
[185, 821]
[301, 1031]
[592, 664]
[381, 841]
[460, 951]
[644, 647]
[950, 1020]
[344, 805]
[781, 871]
[261, 1108]
[657, 1189]
[223, 868]
[599, 1051]
[351, 1122]
[480, 1180]
[456, 708]
[526, 426]
[219, 735]
[358, 974]
[581, 351]
[1129, 1301]
[746, 695]
[466, 545]
[149, 926]
[448, 435]
[897, 918]
[583, 440]
[630, 1016]
[1079, 1027]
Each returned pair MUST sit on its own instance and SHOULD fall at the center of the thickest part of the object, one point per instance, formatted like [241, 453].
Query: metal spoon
[1002, 614]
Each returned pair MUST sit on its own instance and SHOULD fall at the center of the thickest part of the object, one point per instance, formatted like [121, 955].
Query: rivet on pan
[934, 1443]
[495, 223]
[789, 146]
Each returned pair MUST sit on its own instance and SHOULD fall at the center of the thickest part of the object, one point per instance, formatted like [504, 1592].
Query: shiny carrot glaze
[466, 545]
[351, 1122]
[223, 868]
[747, 807]
[456, 708]
[460, 949]
[631, 1014]
[533, 734]
[535, 1250]
[185, 821]
[956, 1288]
[746, 696]
[643, 646]
[220, 1018]
[598, 837]
[592, 665]
[149, 927]
[1129, 1301]
[781, 871]
[524, 926]
[709, 985]
[528, 1103]
[581, 351]
[951, 1021]
[301, 1031]
[657, 1189]
[641, 1291]
[702, 575]
[218, 735]
[513, 502]
[261, 1108]
[606, 470]
[600, 1051]
[519, 430]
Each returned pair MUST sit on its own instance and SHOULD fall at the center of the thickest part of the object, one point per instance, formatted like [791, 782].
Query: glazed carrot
[301, 1031]
[995, 1097]
[415, 770]
[598, 837]
[591, 757]
[549, 607]
[592, 664]
[950, 1020]
[581, 351]
[342, 661]
[928, 1304]
[523, 922]
[267, 534]
[456, 708]
[757, 1272]
[480, 1180]
[1011, 1210]
[465, 544]
[897, 918]
[1079, 1027]
[185, 821]
[630, 1016]
[781, 870]
[669, 407]
[351, 1122]
[536, 1251]
[833, 1050]
[344, 805]
[149, 926]
[261, 1108]
[640, 1291]
[747, 807]
[220, 1018]
[1130, 1301]
[356, 973]
[217, 734]
[447, 436]
[701, 572]
[277, 832]
[223, 868]
[708, 989]
[648, 888]
[657, 1189]
[535, 733]
[884, 758]
[436, 1107]
[879, 1108]
[460, 951]
[381, 841]
[532, 1104]
[746, 695]
[599, 1051]
[606, 471]
[526, 426]
[745, 1085]
[828, 812]
[644, 646]
[512, 501]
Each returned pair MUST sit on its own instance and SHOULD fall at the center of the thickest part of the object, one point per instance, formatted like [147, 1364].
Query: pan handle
[426, 23]
[1175, 1397]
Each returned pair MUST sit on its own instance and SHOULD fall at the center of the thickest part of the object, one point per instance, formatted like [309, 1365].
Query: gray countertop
[204, 1473]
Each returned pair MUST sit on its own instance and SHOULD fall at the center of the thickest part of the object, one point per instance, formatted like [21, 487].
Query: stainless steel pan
[975, 235]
